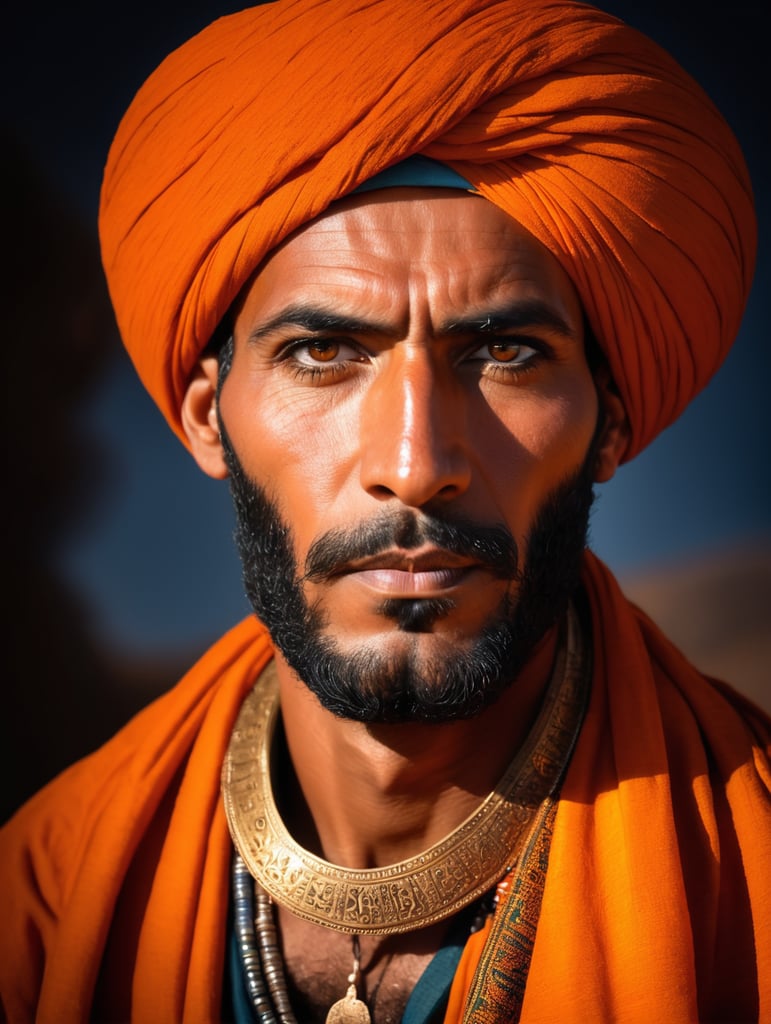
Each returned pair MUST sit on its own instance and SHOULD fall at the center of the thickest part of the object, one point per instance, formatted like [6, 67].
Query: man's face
[411, 413]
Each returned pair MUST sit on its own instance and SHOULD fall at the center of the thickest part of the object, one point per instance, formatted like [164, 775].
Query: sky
[156, 563]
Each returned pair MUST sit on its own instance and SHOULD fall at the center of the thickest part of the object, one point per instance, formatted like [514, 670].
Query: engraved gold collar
[426, 888]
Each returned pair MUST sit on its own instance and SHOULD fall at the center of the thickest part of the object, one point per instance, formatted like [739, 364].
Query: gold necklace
[435, 884]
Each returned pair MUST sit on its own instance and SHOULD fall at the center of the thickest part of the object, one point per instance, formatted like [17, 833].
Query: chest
[318, 963]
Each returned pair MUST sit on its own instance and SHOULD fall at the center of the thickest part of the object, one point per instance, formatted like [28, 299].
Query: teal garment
[416, 172]
[426, 1005]
[428, 1001]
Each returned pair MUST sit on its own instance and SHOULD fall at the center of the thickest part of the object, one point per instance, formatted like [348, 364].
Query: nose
[413, 426]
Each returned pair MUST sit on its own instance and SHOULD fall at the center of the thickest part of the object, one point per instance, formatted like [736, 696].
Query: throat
[452, 873]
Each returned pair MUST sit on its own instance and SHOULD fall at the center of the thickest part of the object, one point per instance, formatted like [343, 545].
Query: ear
[614, 435]
[199, 418]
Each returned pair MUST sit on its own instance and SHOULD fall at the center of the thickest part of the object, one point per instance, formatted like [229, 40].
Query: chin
[445, 658]
[410, 676]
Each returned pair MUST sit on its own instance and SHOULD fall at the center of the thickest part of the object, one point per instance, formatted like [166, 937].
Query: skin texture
[412, 351]
[409, 354]
[369, 686]
[444, 375]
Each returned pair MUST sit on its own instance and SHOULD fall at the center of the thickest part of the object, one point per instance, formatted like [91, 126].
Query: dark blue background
[153, 559]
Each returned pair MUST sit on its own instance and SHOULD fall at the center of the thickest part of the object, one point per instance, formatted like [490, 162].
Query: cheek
[545, 437]
[294, 443]
[561, 429]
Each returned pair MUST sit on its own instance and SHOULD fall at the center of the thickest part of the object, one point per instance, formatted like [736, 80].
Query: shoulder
[65, 854]
[46, 838]
[665, 814]
[633, 653]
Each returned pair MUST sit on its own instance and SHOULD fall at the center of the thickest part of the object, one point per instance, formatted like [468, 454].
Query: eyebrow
[514, 316]
[317, 320]
[519, 315]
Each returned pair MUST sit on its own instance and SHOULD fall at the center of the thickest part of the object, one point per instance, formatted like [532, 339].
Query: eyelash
[315, 374]
[326, 372]
[319, 372]
[508, 372]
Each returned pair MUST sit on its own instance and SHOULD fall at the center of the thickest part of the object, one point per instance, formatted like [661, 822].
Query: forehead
[397, 245]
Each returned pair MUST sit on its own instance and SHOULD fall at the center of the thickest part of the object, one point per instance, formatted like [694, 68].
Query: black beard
[370, 687]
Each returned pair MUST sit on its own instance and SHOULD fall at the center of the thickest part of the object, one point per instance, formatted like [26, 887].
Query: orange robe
[115, 878]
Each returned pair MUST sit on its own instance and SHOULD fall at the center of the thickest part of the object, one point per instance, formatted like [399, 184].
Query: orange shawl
[116, 876]
[574, 124]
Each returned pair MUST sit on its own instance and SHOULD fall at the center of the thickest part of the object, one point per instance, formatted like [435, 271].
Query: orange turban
[576, 125]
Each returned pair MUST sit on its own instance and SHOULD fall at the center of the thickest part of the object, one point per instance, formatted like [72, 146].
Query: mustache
[492, 546]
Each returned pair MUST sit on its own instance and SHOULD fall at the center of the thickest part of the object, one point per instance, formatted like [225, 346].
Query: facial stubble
[369, 685]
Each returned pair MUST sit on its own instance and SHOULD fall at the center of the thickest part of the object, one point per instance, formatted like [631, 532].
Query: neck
[365, 796]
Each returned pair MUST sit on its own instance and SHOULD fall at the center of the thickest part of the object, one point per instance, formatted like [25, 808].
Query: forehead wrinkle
[317, 318]
[310, 292]
[372, 271]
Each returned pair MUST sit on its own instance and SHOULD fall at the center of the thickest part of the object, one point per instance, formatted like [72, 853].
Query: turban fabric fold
[578, 126]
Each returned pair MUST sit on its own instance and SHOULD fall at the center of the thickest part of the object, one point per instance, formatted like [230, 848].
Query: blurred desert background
[717, 609]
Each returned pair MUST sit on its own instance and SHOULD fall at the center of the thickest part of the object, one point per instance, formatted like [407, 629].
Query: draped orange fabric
[657, 894]
[576, 125]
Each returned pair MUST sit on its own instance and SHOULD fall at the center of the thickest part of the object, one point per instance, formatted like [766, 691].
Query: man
[415, 276]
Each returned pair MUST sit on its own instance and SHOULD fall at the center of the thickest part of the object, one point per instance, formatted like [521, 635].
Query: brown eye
[322, 351]
[504, 354]
[323, 354]
[504, 351]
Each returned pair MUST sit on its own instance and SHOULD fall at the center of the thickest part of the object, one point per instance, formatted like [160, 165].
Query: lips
[411, 584]
[411, 573]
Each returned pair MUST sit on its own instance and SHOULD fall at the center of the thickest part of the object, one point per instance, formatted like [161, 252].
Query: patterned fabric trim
[499, 982]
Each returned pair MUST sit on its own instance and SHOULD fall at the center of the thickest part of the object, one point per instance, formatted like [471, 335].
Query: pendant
[349, 1010]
